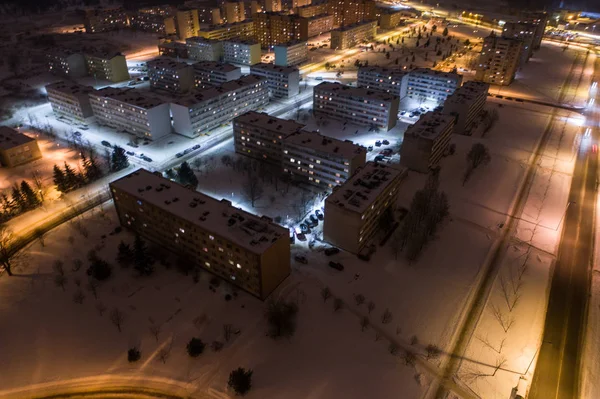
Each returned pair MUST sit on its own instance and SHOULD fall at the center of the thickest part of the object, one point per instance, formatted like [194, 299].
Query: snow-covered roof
[273, 68]
[129, 96]
[201, 40]
[354, 26]
[209, 27]
[291, 43]
[167, 63]
[214, 65]
[354, 92]
[254, 233]
[10, 138]
[435, 73]
[268, 122]
[381, 70]
[468, 92]
[72, 88]
[325, 145]
[240, 42]
[364, 187]
[200, 96]
[430, 125]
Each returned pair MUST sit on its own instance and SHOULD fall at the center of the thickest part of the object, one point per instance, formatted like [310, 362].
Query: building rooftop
[359, 192]
[201, 40]
[240, 41]
[382, 70]
[10, 138]
[203, 95]
[327, 145]
[215, 65]
[273, 68]
[265, 121]
[70, 88]
[254, 233]
[167, 63]
[468, 92]
[430, 125]
[436, 73]
[291, 43]
[349, 91]
[354, 26]
[172, 45]
[319, 16]
[129, 96]
[211, 27]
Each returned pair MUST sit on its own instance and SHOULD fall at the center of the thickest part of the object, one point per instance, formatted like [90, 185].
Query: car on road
[77, 134]
[331, 251]
[370, 148]
[310, 223]
[378, 143]
[147, 159]
[336, 265]
[385, 142]
[179, 154]
[106, 143]
[301, 259]
[84, 128]
[319, 214]
[130, 153]
[379, 158]
[196, 147]
[402, 113]
[304, 228]
[387, 152]
[314, 219]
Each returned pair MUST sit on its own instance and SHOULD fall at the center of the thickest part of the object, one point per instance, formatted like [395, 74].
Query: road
[558, 366]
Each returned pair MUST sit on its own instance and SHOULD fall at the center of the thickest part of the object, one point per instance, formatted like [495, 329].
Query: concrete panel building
[284, 82]
[156, 23]
[315, 25]
[350, 12]
[107, 66]
[499, 60]
[248, 251]
[425, 141]
[131, 111]
[103, 19]
[260, 136]
[356, 105]
[170, 75]
[66, 63]
[429, 85]
[312, 10]
[390, 18]
[236, 31]
[394, 81]
[320, 160]
[70, 100]
[17, 148]
[349, 36]
[202, 49]
[208, 109]
[173, 49]
[211, 73]
[241, 52]
[522, 31]
[466, 105]
[291, 54]
[234, 11]
[187, 23]
[272, 28]
[354, 209]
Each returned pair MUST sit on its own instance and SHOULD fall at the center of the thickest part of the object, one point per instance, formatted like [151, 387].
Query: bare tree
[325, 293]
[78, 297]
[477, 156]
[39, 185]
[485, 341]
[432, 351]
[505, 321]
[371, 306]
[393, 348]
[252, 188]
[117, 317]
[155, 331]
[359, 299]
[227, 329]
[165, 352]
[338, 304]
[61, 281]
[7, 241]
[92, 287]
[386, 317]
[409, 358]
[364, 323]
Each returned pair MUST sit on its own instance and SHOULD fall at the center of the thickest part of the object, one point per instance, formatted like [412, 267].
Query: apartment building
[187, 23]
[425, 141]
[466, 105]
[234, 11]
[354, 210]
[312, 10]
[260, 136]
[236, 31]
[17, 148]
[248, 251]
[273, 6]
[390, 18]
[315, 25]
[272, 28]
[210, 108]
[291, 53]
[208, 15]
[320, 160]
[539, 20]
[499, 60]
[70, 100]
[429, 85]
[356, 105]
[107, 66]
[131, 111]
[104, 19]
[522, 31]
[163, 24]
[169, 75]
[202, 49]
[173, 49]
[212, 73]
[349, 36]
[66, 63]
[241, 52]
[283, 82]
[351, 12]
[394, 81]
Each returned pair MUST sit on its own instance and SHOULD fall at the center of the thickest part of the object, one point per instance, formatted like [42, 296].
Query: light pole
[563, 215]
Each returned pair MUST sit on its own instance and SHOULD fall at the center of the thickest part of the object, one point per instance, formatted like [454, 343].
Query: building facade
[356, 105]
[272, 28]
[320, 160]
[241, 52]
[394, 81]
[202, 49]
[66, 63]
[17, 148]
[234, 11]
[499, 60]
[156, 23]
[284, 82]
[349, 36]
[105, 19]
[312, 10]
[260, 136]
[525, 32]
[291, 54]
[429, 85]
[107, 66]
[359, 204]
[130, 111]
[211, 73]
[70, 100]
[426, 141]
[466, 105]
[248, 251]
[351, 12]
[315, 25]
[208, 109]
[390, 19]
[187, 23]
[236, 31]
[173, 49]
[170, 75]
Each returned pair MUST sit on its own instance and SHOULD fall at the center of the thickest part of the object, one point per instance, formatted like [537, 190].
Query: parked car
[378, 143]
[385, 142]
[147, 159]
[402, 113]
[196, 147]
[314, 219]
[301, 259]
[301, 236]
[310, 223]
[319, 214]
[105, 143]
[304, 228]
[130, 153]
[387, 152]
[370, 148]
[379, 158]
[77, 134]
[331, 251]
[146, 78]
[336, 265]
[84, 128]
[179, 154]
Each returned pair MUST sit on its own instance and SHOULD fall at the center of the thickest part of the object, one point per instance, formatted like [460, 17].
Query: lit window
[181, 230]
[207, 264]
[211, 237]
[238, 266]
[220, 249]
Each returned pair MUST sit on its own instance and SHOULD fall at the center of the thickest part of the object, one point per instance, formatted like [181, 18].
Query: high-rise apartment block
[350, 12]
[66, 63]
[354, 210]
[348, 36]
[498, 60]
[394, 81]
[208, 15]
[260, 136]
[236, 31]
[212, 73]
[241, 52]
[234, 11]
[466, 105]
[291, 54]
[390, 18]
[154, 19]
[320, 160]
[426, 84]
[17, 148]
[250, 252]
[522, 31]
[209, 108]
[104, 19]
[284, 82]
[271, 28]
[273, 6]
[312, 10]
[70, 100]
[107, 66]
[187, 23]
[315, 25]
[425, 141]
[356, 105]
[171, 76]
[131, 111]
[202, 49]
[540, 20]
[173, 49]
